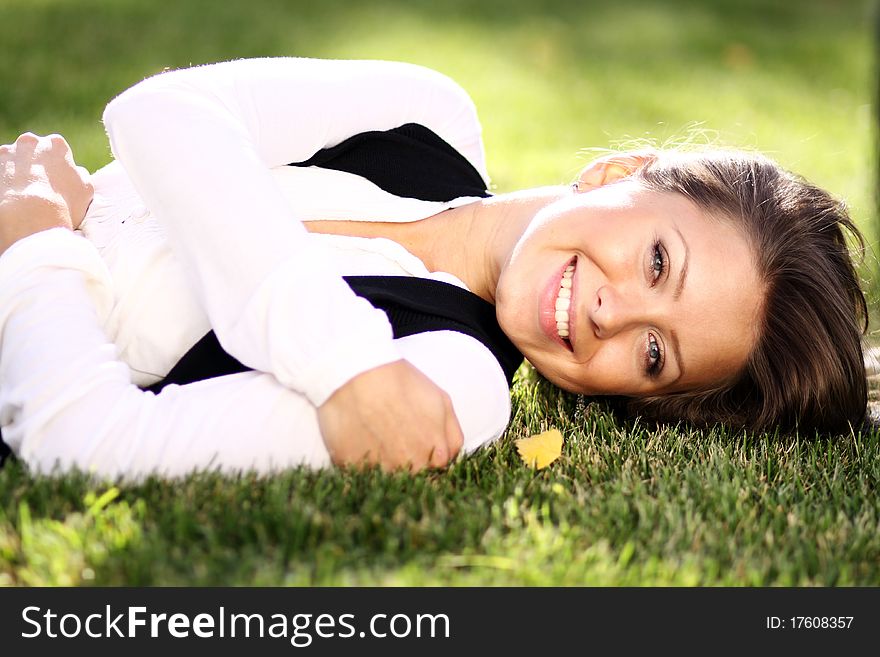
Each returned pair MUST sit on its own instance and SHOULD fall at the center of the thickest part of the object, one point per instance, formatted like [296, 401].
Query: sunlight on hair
[691, 136]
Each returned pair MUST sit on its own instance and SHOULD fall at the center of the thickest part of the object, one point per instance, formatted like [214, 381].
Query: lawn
[627, 504]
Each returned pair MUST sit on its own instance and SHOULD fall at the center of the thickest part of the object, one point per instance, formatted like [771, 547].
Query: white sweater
[197, 225]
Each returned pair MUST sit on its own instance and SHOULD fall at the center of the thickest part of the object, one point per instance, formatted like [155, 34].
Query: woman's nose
[613, 312]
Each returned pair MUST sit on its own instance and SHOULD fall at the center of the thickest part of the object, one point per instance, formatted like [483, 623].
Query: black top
[410, 161]
[413, 305]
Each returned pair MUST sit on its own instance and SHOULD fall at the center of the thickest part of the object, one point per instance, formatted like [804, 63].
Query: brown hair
[806, 370]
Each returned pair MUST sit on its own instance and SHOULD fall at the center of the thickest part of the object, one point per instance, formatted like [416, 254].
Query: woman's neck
[473, 242]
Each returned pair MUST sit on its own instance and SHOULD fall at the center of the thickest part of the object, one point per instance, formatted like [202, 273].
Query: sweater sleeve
[198, 145]
[66, 400]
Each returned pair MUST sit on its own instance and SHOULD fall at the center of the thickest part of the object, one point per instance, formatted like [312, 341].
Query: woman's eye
[657, 265]
[653, 357]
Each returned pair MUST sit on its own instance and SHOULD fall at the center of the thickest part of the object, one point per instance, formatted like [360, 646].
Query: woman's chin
[558, 380]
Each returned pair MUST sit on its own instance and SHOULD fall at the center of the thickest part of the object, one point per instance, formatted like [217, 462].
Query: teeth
[563, 302]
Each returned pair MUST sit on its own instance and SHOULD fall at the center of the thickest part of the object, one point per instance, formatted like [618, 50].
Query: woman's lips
[548, 308]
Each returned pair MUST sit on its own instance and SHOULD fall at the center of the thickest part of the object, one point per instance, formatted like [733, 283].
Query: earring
[576, 186]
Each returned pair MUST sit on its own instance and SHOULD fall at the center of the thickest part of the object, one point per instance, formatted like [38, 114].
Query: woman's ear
[611, 168]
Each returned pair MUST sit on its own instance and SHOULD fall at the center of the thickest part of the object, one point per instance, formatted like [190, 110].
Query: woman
[685, 282]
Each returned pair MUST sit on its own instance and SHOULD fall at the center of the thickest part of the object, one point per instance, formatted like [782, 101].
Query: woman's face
[663, 298]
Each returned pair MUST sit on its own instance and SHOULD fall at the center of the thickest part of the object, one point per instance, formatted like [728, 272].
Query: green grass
[627, 504]
[624, 506]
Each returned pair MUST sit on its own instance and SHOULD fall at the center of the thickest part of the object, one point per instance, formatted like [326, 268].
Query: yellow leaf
[540, 450]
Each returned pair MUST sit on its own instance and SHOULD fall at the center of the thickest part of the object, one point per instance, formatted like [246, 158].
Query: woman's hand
[392, 416]
[41, 187]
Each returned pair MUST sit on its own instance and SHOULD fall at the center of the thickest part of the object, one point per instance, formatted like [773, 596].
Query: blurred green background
[550, 78]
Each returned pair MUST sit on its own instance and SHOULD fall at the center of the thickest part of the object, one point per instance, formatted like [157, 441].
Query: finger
[390, 463]
[51, 147]
[353, 457]
[27, 139]
[6, 166]
[454, 440]
[58, 142]
[25, 146]
[439, 457]
[58, 147]
[86, 179]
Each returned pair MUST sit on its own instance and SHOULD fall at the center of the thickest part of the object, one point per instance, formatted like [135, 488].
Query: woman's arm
[67, 401]
[198, 144]
[65, 398]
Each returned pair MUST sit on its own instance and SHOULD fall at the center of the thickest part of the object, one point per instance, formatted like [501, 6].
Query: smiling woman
[344, 289]
[711, 287]
[644, 268]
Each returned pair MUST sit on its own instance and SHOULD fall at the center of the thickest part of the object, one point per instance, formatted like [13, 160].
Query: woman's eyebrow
[682, 276]
[677, 351]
